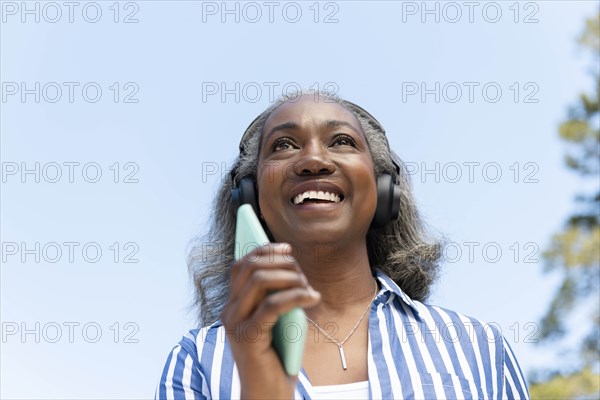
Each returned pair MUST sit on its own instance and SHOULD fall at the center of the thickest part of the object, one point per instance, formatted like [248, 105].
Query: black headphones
[388, 190]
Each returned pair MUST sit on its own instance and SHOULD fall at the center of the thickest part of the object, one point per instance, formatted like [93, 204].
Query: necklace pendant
[343, 357]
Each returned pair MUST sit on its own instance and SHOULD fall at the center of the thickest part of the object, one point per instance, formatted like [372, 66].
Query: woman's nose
[314, 160]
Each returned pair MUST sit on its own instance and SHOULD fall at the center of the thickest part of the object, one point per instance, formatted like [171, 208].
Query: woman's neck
[343, 276]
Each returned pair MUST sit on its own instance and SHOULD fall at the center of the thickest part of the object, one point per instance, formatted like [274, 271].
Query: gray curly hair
[401, 249]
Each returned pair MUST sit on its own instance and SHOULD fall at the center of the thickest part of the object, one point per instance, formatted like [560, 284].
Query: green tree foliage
[575, 252]
[577, 385]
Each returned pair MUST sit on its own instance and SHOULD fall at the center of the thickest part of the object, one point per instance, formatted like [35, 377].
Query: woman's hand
[264, 284]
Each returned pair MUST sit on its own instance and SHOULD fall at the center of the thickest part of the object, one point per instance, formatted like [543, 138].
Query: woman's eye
[282, 144]
[344, 140]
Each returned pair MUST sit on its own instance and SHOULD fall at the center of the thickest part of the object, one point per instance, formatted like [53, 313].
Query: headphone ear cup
[388, 201]
[396, 202]
[245, 193]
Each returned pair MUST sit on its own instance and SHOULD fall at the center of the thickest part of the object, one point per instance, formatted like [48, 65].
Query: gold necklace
[341, 344]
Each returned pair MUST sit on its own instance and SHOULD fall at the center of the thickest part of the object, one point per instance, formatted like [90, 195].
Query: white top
[356, 390]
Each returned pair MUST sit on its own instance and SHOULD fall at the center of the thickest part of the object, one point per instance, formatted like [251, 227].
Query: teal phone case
[289, 333]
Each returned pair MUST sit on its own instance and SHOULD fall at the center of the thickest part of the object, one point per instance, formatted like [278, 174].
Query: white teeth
[320, 195]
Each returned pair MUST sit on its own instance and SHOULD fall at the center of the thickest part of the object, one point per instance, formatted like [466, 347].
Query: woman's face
[319, 147]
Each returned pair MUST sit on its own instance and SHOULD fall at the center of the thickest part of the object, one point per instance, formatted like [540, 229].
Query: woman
[348, 247]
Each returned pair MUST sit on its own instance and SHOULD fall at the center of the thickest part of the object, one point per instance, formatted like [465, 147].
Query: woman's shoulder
[440, 323]
[454, 325]
[196, 340]
[192, 362]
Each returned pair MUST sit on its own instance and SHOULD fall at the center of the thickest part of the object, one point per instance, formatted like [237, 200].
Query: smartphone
[289, 333]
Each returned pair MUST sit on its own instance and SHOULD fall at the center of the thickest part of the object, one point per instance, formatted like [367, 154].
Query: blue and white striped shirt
[415, 351]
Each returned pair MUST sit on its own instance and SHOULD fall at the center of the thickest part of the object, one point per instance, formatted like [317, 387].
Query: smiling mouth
[313, 196]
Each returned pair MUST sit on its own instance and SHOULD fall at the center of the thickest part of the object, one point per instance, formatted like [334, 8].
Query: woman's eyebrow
[330, 124]
[337, 124]
[281, 127]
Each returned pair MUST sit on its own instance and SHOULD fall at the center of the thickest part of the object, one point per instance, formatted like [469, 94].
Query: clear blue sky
[170, 129]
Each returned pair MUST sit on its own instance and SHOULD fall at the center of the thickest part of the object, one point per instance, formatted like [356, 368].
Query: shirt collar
[390, 288]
